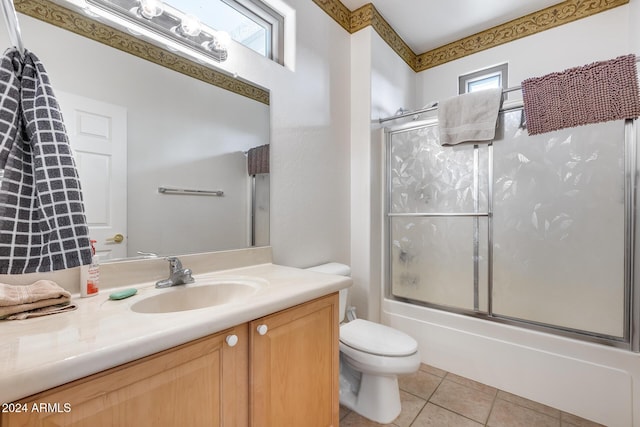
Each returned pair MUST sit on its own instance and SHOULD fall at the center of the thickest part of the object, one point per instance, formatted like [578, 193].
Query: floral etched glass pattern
[426, 177]
[439, 259]
[433, 260]
[558, 226]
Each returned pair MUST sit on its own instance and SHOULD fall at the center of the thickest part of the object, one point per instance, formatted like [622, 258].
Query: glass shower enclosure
[535, 231]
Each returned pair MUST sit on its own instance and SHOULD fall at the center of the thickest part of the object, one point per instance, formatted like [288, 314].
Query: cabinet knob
[231, 340]
[262, 329]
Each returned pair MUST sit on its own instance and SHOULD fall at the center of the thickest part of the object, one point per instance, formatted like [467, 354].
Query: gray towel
[42, 221]
[470, 117]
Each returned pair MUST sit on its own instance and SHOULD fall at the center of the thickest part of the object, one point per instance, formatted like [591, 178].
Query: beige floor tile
[573, 420]
[344, 412]
[463, 400]
[411, 407]
[460, 402]
[433, 370]
[507, 414]
[421, 384]
[472, 384]
[355, 420]
[436, 416]
[548, 410]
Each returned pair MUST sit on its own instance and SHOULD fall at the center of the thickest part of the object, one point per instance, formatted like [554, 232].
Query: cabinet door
[202, 383]
[294, 366]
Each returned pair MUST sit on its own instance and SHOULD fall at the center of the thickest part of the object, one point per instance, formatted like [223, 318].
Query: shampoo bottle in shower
[90, 275]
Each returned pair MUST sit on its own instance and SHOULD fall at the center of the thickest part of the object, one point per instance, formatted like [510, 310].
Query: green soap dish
[123, 294]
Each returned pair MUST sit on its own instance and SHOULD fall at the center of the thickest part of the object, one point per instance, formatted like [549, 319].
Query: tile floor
[433, 397]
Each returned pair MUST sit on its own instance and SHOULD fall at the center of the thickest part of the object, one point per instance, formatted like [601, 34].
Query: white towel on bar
[470, 117]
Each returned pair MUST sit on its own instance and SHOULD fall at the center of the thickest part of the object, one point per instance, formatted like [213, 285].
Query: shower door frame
[631, 328]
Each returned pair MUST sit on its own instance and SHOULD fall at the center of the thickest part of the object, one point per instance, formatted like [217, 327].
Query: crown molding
[75, 22]
[369, 15]
[544, 19]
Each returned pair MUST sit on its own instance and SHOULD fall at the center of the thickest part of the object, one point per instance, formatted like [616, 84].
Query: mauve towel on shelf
[42, 221]
[258, 160]
[598, 92]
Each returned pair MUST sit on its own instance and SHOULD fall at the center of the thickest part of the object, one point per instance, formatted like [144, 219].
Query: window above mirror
[251, 23]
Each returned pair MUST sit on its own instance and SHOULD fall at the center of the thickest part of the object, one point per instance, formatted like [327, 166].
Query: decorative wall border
[75, 22]
[544, 19]
[369, 15]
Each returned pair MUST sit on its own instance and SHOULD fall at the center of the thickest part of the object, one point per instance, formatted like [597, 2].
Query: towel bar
[187, 192]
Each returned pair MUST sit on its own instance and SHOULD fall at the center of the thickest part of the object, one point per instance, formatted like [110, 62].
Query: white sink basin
[202, 294]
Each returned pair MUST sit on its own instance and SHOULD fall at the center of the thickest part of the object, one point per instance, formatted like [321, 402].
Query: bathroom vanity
[269, 360]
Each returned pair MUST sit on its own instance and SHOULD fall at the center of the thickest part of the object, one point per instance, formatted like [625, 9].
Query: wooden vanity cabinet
[283, 371]
[294, 366]
[201, 383]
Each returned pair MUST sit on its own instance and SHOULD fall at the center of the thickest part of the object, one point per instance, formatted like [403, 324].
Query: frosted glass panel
[426, 177]
[432, 260]
[559, 226]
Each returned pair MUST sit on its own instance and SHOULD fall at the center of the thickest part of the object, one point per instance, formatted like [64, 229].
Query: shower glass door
[438, 220]
[534, 230]
[559, 226]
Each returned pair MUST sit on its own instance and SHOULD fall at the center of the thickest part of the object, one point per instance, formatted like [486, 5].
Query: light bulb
[190, 25]
[218, 45]
[222, 40]
[151, 8]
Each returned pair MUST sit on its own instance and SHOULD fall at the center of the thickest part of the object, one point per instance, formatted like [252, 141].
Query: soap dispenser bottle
[90, 275]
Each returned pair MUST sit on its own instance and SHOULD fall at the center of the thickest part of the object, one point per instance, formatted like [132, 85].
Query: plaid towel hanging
[42, 221]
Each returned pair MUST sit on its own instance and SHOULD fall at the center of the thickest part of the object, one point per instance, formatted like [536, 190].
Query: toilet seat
[377, 339]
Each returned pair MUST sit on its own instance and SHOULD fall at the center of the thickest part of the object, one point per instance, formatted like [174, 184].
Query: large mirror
[178, 133]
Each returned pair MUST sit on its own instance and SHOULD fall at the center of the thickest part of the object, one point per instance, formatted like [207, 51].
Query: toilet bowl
[371, 357]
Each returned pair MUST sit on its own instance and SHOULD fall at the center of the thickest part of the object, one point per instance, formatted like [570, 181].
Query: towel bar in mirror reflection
[186, 191]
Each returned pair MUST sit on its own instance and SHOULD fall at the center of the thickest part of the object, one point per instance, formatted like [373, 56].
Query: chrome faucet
[177, 274]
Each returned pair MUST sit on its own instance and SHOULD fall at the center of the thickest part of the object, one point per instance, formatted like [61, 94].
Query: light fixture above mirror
[165, 21]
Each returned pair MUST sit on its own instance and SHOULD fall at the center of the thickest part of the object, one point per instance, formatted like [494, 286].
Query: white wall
[381, 83]
[310, 133]
[361, 203]
[592, 381]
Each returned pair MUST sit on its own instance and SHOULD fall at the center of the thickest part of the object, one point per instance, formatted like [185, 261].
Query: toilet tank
[339, 270]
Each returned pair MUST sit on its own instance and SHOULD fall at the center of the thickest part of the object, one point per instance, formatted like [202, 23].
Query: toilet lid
[377, 339]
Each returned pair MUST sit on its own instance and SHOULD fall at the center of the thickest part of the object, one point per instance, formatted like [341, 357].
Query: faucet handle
[174, 263]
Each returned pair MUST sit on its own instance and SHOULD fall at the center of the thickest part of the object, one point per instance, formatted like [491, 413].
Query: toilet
[371, 358]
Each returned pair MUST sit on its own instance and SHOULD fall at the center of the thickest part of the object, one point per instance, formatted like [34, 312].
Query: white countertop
[41, 353]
